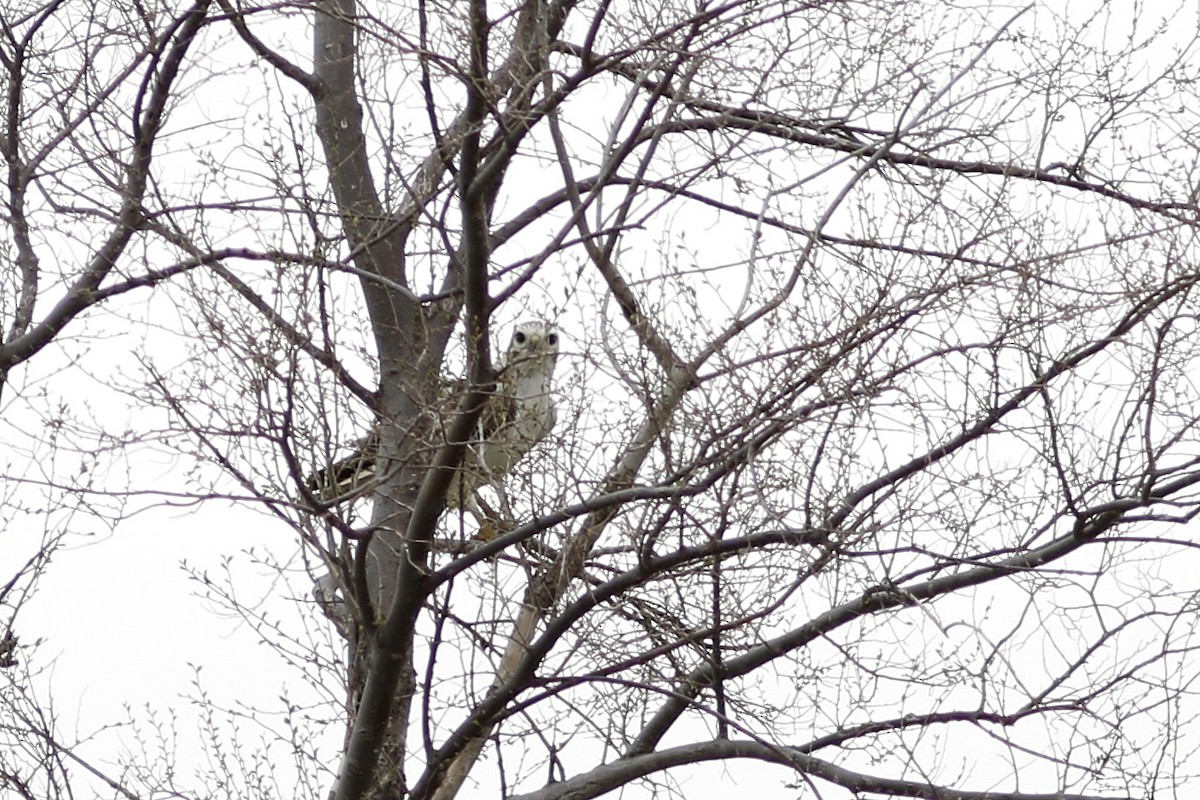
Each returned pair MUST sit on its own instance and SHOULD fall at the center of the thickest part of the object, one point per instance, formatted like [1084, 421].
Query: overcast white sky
[121, 624]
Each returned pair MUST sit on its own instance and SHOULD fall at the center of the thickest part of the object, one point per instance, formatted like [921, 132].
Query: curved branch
[82, 294]
[887, 597]
[238, 18]
[621, 772]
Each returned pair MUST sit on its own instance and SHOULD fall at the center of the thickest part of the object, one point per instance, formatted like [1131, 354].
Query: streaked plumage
[513, 421]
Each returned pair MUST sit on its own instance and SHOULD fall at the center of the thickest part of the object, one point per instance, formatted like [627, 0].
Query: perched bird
[515, 418]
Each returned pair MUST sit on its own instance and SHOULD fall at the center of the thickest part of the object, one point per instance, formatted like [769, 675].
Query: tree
[877, 429]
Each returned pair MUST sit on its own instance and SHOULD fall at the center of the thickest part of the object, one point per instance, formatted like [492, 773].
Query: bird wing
[507, 429]
[499, 410]
[347, 476]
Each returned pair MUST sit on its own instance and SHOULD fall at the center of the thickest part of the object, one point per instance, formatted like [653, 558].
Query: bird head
[533, 344]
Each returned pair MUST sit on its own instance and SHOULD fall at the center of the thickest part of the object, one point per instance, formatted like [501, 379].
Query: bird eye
[552, 338]
[519, 337]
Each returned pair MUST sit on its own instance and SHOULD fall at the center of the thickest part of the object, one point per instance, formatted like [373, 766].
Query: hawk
[512, 422]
